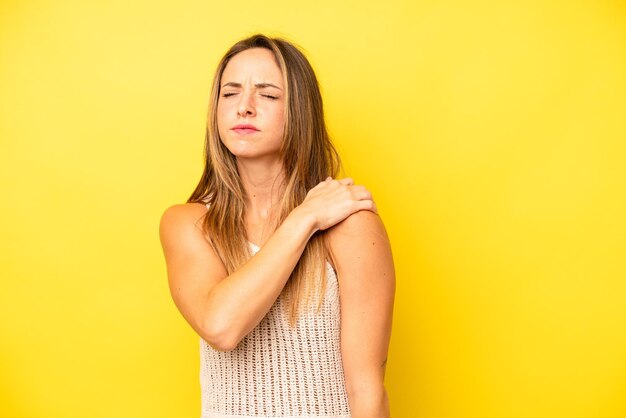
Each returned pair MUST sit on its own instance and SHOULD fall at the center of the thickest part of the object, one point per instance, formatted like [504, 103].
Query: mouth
[245, 131]
[244, 128]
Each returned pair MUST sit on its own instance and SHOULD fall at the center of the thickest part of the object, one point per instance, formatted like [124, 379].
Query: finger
[357, 188]
[328, 178]
[347, 181]
[362, 194]
[366, 205]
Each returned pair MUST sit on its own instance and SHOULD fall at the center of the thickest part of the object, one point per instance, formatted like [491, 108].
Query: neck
[263, 183]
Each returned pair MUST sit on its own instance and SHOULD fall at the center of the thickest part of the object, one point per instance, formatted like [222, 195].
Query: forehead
[254, 64]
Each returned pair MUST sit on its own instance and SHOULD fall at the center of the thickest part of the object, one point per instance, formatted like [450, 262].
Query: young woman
[285, 273]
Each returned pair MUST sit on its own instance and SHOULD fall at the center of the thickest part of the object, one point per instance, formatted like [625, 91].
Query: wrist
[302, 218]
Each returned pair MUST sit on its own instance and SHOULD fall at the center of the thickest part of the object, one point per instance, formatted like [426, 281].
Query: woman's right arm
[224, 308]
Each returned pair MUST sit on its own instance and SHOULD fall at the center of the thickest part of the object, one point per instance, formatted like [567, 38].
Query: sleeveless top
[279, 371]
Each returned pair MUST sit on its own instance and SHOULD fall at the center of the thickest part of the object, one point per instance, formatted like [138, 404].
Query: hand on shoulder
[332, 201]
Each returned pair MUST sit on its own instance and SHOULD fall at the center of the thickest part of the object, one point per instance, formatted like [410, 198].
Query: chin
[248, 150]
[242, 150]
[256, 155]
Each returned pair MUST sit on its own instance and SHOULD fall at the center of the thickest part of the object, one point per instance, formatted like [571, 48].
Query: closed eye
[264, 95]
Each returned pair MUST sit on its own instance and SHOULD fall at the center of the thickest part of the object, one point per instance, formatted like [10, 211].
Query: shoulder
[181, 218]
[357, 224]
[360, 235]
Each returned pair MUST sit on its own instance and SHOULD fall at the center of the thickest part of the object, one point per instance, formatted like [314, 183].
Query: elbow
[219, 337]
[221, 345]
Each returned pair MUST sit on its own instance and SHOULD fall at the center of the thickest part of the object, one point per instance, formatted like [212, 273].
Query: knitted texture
[278, 371]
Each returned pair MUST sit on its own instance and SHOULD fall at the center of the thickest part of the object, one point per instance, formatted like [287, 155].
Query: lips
[245, 127]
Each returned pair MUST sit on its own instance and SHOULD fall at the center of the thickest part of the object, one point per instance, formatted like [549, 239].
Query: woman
[266, 232]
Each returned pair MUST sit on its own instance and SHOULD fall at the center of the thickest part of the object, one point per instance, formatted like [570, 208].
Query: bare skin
[363, 261]
[224, 308]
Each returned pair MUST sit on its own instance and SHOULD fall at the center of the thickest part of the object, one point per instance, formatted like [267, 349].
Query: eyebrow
[258, 85]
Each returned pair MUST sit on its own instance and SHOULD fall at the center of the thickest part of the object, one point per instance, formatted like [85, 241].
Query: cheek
[279, 117]
[221, 120]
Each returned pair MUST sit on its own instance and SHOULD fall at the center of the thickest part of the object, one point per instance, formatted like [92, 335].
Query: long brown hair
[308, 158]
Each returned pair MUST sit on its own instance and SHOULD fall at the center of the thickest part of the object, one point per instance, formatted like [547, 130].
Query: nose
[245, 107]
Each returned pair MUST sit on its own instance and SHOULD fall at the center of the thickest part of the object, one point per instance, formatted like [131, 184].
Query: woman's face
[251, 93]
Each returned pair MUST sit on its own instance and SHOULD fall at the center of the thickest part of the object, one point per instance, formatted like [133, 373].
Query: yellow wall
[491, 133]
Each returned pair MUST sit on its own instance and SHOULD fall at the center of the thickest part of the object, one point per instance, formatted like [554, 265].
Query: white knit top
[278, 371]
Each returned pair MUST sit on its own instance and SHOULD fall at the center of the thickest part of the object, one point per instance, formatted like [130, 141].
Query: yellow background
[492, 135]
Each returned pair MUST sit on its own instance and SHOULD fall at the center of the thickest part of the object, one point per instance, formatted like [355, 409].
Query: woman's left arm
[361, 253]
